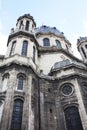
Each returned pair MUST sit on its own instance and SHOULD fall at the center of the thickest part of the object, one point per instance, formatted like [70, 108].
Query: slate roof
[66, 63]
[47, 29]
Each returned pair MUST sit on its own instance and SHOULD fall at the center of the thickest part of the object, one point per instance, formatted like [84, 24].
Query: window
[16, 121]
[5, 82]
[84, 87]
[46, 42]
[27, 25]
[13, 48]
[86, 46]
[73, 121]
[1, 109]
[67, 89]
[21, 25]
[83, 52]
[33, 53]
[58, 44]
[20, 83]
[24, 48]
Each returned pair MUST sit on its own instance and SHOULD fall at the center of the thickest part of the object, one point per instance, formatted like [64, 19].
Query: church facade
[43, 86]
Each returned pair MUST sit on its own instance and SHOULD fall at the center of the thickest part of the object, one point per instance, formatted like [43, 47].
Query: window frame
[46, 42]
[27, 25]
[24, 48]
[72, 115]
[12, 48]
[16, 121]
[58, 44]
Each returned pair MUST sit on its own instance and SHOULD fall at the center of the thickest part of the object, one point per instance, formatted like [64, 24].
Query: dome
[81, 39]
[26, 16]
[46, 29]
[65, 63]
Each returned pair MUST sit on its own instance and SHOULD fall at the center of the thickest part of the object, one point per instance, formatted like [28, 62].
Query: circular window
[67, 90]
[85, 88]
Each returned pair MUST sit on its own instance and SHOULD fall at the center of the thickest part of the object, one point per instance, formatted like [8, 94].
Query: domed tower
[21, 41]
[52, 45]
[82, 47]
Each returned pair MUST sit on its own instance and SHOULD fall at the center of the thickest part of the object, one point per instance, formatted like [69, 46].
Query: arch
[16, 122]
[83, 52]
[86, 46]
[21, 77]
[72, 118]
[58, 44]
[1, 108]
[84, 87]
[46, 42]
[6, 75]
[21, 24]
[34, 53]
[13, 48]
[27, 26]
[21, 74]
[24, 48]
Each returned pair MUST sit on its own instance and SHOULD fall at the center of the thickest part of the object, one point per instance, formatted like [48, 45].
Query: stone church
[43, 86]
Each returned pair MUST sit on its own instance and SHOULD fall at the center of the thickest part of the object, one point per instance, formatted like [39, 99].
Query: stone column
[82, 111]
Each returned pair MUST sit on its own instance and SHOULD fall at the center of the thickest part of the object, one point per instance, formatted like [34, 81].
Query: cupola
[26, 22]
[82, 47]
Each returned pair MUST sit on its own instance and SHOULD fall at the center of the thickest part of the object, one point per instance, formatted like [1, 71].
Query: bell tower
[26, 23]
[21, 41]
[82, 47]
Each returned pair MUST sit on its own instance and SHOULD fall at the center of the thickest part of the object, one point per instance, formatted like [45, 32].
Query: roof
[47, 29]
[53, 30]
[65, 63]
[81, 39]
[27, 16]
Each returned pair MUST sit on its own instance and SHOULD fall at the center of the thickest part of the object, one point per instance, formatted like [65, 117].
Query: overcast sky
[69, 16]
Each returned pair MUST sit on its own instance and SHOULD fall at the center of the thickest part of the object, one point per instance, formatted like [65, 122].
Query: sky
[68, 16]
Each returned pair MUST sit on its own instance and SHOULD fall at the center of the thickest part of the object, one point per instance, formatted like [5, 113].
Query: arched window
[46, 42]
[34, 53]
[24, 48]
[1, 109]
[21, 24]
[83, 52]
[58, 44]
[73, 121]
[13, 48]
[27, 25]
[5, 81]
[20, 82]
[86, 46]
[16, 121]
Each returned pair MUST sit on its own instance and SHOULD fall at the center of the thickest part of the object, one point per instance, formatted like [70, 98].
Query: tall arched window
[21, 25]
[21, 77]
[13, 48]
[1, 109]
[83, 52]
[27, 25]
[73, 121]
[86, 46]
[34, 53]
[24, 48]
[58, 44]
[16, 121]
[46, 42]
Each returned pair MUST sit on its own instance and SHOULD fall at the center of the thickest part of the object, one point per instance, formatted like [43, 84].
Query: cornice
[22, 33]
